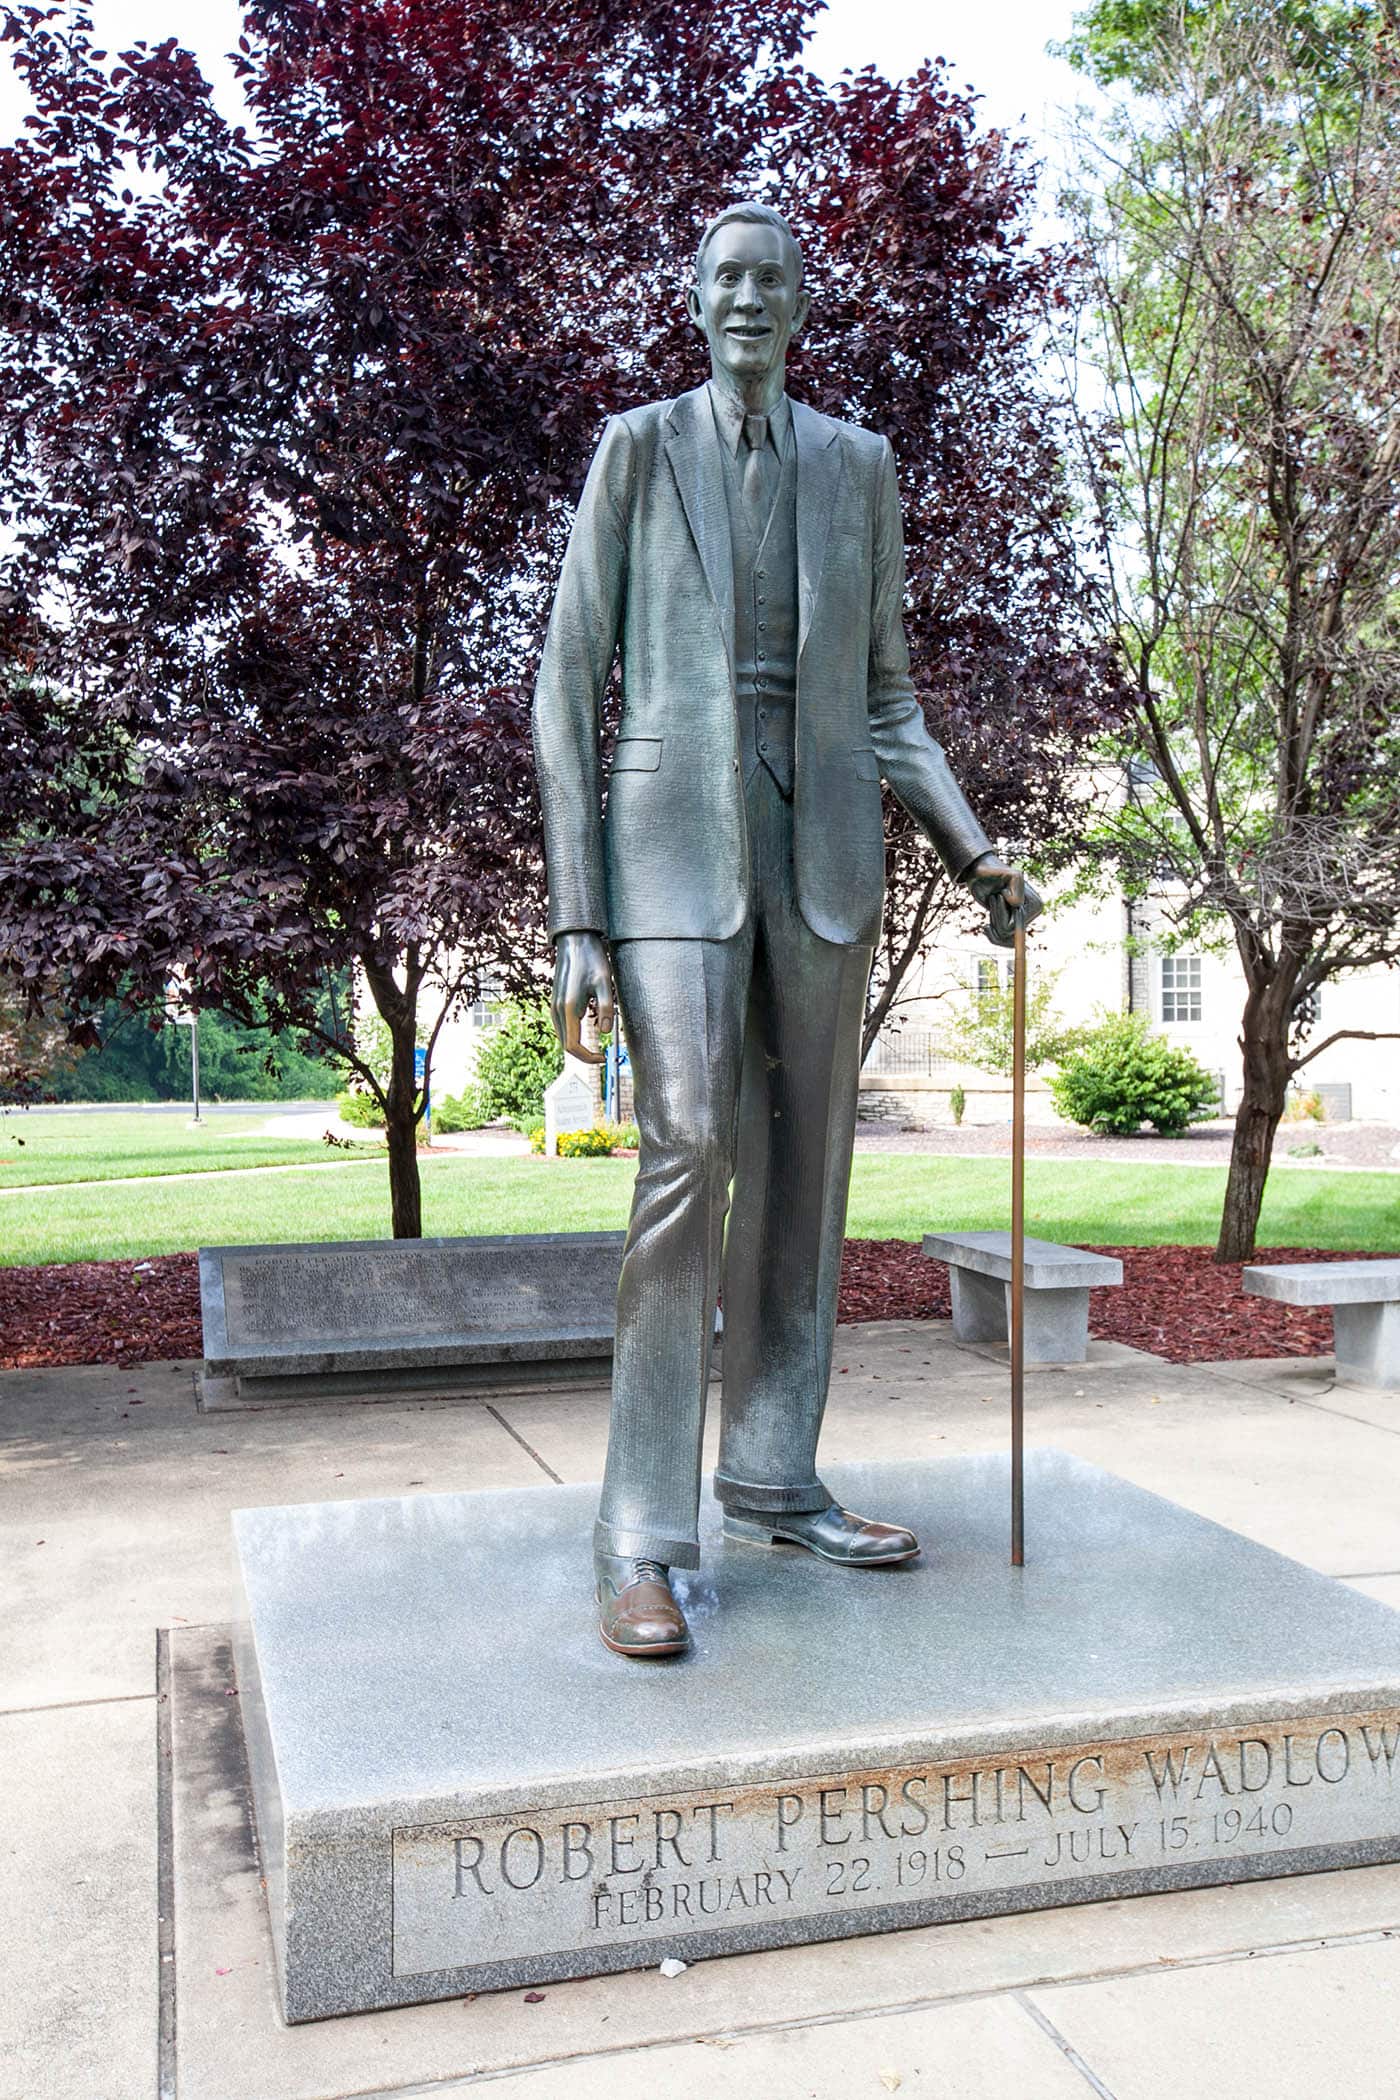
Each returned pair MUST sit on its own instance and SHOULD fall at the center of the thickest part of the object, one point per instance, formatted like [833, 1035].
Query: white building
[1098, 960]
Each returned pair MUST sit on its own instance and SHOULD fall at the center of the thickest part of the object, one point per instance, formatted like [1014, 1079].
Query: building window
[1181, 988]
[995, 973]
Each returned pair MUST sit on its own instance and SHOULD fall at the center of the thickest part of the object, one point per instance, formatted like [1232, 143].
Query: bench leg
[1367, 1342]
[1057, 1326]
[980, 1309]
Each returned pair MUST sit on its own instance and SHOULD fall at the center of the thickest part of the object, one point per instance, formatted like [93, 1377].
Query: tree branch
[1344, 1035]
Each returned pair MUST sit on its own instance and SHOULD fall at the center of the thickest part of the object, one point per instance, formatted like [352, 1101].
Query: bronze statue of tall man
[747, 556]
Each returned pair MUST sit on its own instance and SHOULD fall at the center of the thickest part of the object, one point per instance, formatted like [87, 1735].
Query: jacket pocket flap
[867, 765]
[637, 754]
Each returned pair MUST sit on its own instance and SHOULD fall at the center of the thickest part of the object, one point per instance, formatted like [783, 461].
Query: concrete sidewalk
[113, 1523]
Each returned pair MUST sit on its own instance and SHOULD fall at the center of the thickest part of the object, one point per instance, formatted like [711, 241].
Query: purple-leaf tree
[290, 422]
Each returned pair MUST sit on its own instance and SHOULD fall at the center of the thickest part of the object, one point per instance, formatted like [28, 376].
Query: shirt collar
[729, 420]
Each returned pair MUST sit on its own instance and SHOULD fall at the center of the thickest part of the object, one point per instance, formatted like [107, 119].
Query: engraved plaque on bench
[378, 1319]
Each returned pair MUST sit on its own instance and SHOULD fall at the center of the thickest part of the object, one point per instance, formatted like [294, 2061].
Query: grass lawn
[95, 1147]
[896, 1196]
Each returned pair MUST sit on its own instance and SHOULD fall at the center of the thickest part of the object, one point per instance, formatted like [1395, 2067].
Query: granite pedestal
[1058, 1282]
[392, 1319]
[459, 1789]
[1365, 1301]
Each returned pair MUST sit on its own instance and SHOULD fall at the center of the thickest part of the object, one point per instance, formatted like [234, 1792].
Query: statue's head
[747, 299]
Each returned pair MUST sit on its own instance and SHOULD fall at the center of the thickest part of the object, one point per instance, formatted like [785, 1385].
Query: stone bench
[393, 1319]
[1365, 1301]
[1058, 1282]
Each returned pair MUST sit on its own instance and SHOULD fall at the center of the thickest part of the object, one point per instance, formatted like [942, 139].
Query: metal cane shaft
[1018, 1250]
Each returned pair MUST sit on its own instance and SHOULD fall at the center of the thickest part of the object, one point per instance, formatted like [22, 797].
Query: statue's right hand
[582, 978]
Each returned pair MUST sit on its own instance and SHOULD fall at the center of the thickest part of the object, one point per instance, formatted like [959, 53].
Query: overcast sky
[998, 46]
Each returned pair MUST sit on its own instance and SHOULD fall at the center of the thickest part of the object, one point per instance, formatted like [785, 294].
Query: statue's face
[747, 300]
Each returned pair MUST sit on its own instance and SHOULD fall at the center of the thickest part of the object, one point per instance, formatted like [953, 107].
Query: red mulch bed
[100, 1312]
[1174, 1301]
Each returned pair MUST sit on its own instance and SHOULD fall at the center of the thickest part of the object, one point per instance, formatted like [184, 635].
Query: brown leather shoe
[637, 1614]
[832, 1534]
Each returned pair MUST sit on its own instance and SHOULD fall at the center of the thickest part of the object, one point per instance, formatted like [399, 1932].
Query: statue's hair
[754, 214]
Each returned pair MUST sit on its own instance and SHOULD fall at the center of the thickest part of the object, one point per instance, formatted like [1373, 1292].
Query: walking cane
[1016, 897]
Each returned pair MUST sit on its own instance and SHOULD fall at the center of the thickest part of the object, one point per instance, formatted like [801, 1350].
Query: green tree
[517, 1061]
[1237, 217]
[979, 1030]
[137, 1061]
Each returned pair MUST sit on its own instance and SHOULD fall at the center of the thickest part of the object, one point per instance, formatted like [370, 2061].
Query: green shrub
[1120, 1076]
[360, 1109]
[462, 1111]
[517, 1061]
[957, 1102]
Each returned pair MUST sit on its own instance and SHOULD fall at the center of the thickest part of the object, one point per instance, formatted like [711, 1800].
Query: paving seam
[1339, 1414]
[510, 1431]
[1065, 2046]
[1335, 1414]
[461, 2081]
[65, 1706]
[167, 2069]
[1219, 1367]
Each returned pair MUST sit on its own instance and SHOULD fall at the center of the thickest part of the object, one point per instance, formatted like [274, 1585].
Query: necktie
[758, 487]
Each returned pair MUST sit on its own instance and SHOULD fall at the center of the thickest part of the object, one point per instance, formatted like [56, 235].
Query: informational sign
[420, 1067]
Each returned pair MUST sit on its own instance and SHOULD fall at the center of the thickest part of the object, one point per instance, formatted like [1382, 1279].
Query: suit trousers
[746, 1061]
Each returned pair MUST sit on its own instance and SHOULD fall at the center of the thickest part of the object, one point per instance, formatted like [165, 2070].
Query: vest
[765, 620]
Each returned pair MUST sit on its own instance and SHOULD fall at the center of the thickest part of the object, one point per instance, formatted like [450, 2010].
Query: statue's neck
[758, 396]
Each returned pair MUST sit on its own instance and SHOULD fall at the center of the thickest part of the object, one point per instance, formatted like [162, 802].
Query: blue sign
[617, 1063]
[420, 1066]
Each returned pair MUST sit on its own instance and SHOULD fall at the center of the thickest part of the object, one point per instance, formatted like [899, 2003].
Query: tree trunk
[1267, 1070]
[401, 1134]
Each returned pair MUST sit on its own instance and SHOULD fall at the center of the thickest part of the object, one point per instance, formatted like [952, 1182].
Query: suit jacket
[649, 563]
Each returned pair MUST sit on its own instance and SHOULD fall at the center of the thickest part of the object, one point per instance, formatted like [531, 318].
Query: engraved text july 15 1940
[487, 1890]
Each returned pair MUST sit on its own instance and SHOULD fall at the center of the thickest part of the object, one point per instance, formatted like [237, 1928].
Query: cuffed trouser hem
[647, 1545]
[746, 1494]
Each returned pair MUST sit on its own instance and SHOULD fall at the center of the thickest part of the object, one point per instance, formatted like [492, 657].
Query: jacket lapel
[693, 450]
[819, 467]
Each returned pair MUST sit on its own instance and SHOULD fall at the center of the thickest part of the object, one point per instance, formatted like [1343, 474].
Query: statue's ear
[694, 308]
[801, 311]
